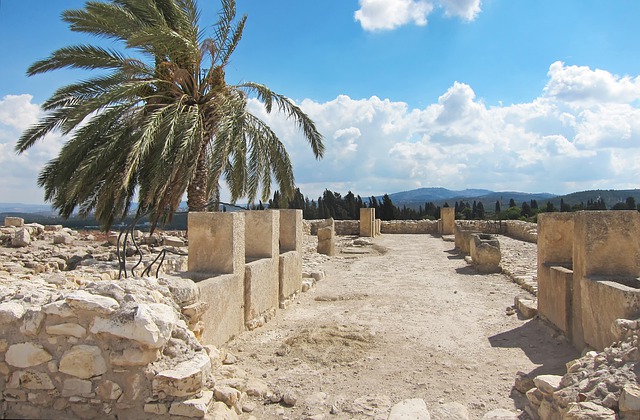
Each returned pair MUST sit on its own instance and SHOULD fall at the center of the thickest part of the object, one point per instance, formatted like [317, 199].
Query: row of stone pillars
[247, 264]
[588, 273]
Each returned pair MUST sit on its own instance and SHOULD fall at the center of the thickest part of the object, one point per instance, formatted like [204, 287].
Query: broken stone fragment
[149, 324]
[75, 387]
[415, 409]
[68, 329]
[63, 238]
[134, 357]
[548, 384]
[83, 361]
[11, 312]
[24, 355]
[588, 410]
[31, 380]
[226, 394]
[196, 407]
[187, 378]
[21, 238]
[83, 300]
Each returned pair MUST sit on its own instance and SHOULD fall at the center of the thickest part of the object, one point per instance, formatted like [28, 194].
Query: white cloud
[375, 15]
[19, 173]
[389, 14]
[465, 9]
[554, 143]
[584, 86]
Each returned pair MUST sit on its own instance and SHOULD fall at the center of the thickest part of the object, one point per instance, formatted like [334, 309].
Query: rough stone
[220, 411]
[196, 407]
[150, 324]
[83, 361]
[29, 379]
[226, 394]
[450, 411]
[411, 409]
[256, 387]
[21, 238]
[547, 384]
[24, 355]
[74, 387]
[630, 398]
[109, 390]
[83, 300]
[11, 312]
[186, 379]
[68, 329]
[588, 411]
[133, 356]
[63, 238]
[13, 221]
[523, 382]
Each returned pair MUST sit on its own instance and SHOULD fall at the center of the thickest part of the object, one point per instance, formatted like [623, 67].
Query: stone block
[224, 317]
[485, 253]
[216, 242]
[290, 275]
[261, 288]
[13, 221]
[195, 407]
[555, 294]
[415, 409]
[83, 361]
[21, 238]
[63, 238]
[24, 355]
[185, 379]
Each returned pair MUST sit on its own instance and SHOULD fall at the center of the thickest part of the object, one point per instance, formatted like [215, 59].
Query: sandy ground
[408, 318]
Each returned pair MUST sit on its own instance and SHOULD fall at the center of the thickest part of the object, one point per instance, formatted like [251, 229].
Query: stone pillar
[556, 296]
[485, 253]
[290, 266]
[606, 267]
[367, 222]
[326, 240]
[216, 261]
[378, 227]
[261, 284]
[290, 230]
[448, 220]
[216, 242]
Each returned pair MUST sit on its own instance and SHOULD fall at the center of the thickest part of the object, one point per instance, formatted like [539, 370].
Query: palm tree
[161, 121]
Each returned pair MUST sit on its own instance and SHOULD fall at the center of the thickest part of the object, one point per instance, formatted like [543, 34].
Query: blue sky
[528, 95]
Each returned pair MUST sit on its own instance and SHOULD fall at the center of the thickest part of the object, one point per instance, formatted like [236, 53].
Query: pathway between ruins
[410, 320]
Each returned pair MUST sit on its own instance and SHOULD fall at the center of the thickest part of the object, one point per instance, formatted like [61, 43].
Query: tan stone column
[216, 242]
[367, 222]
[448, 218]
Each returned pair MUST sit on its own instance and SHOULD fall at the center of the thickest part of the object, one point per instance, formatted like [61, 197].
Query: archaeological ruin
[78, 343]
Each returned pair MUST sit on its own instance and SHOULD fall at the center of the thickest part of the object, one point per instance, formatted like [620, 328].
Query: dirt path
[411, 321]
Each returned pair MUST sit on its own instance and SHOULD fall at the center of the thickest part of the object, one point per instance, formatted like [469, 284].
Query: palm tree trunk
[197, 190]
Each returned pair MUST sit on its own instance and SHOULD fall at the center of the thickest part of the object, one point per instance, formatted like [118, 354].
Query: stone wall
[103, 350]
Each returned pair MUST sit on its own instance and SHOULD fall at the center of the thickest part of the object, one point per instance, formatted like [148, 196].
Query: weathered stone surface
[172, 241]
[154, 408]
[74, 387]
[148, 324]
[196, 407]
[11, 312]
[220, 411]
[13, 221]
[109, 390]
[526, 306]
[523, 382]
[226, 394]
[21, 238]
[29, 379]
[63, 238]
[134, 357]
[547, 384]
[83, 300]
[83, 361]
[630, 398]
[411, 409]
[187, 378]
[450, 411]
[31, 322]
[24, 355]
[256, 387]
[588, 411]
[68, 329]
[60, 308]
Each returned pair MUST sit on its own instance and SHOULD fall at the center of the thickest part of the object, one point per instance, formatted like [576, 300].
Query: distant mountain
[434, 194]
[44, 209]
[610, 197]
[439, 196]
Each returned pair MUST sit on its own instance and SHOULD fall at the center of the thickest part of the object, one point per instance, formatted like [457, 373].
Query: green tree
[159, 119]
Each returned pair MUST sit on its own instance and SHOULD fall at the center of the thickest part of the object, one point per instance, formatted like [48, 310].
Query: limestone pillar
[367, 222]
[216, 242]
[448, 220]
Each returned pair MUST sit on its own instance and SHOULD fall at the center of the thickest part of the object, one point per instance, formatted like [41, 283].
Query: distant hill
[610, 197]
[440, 196]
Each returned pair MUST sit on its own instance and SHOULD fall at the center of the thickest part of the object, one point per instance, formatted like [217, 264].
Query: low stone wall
[516, 229]
[105, 350]
[410, 226]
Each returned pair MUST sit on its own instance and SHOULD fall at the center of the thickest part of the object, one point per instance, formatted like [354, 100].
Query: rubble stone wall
[104, 349]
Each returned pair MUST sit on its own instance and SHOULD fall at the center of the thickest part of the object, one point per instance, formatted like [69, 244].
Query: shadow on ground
[541, 344]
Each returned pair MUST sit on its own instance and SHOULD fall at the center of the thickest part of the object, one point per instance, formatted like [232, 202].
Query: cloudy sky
[531, 95]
